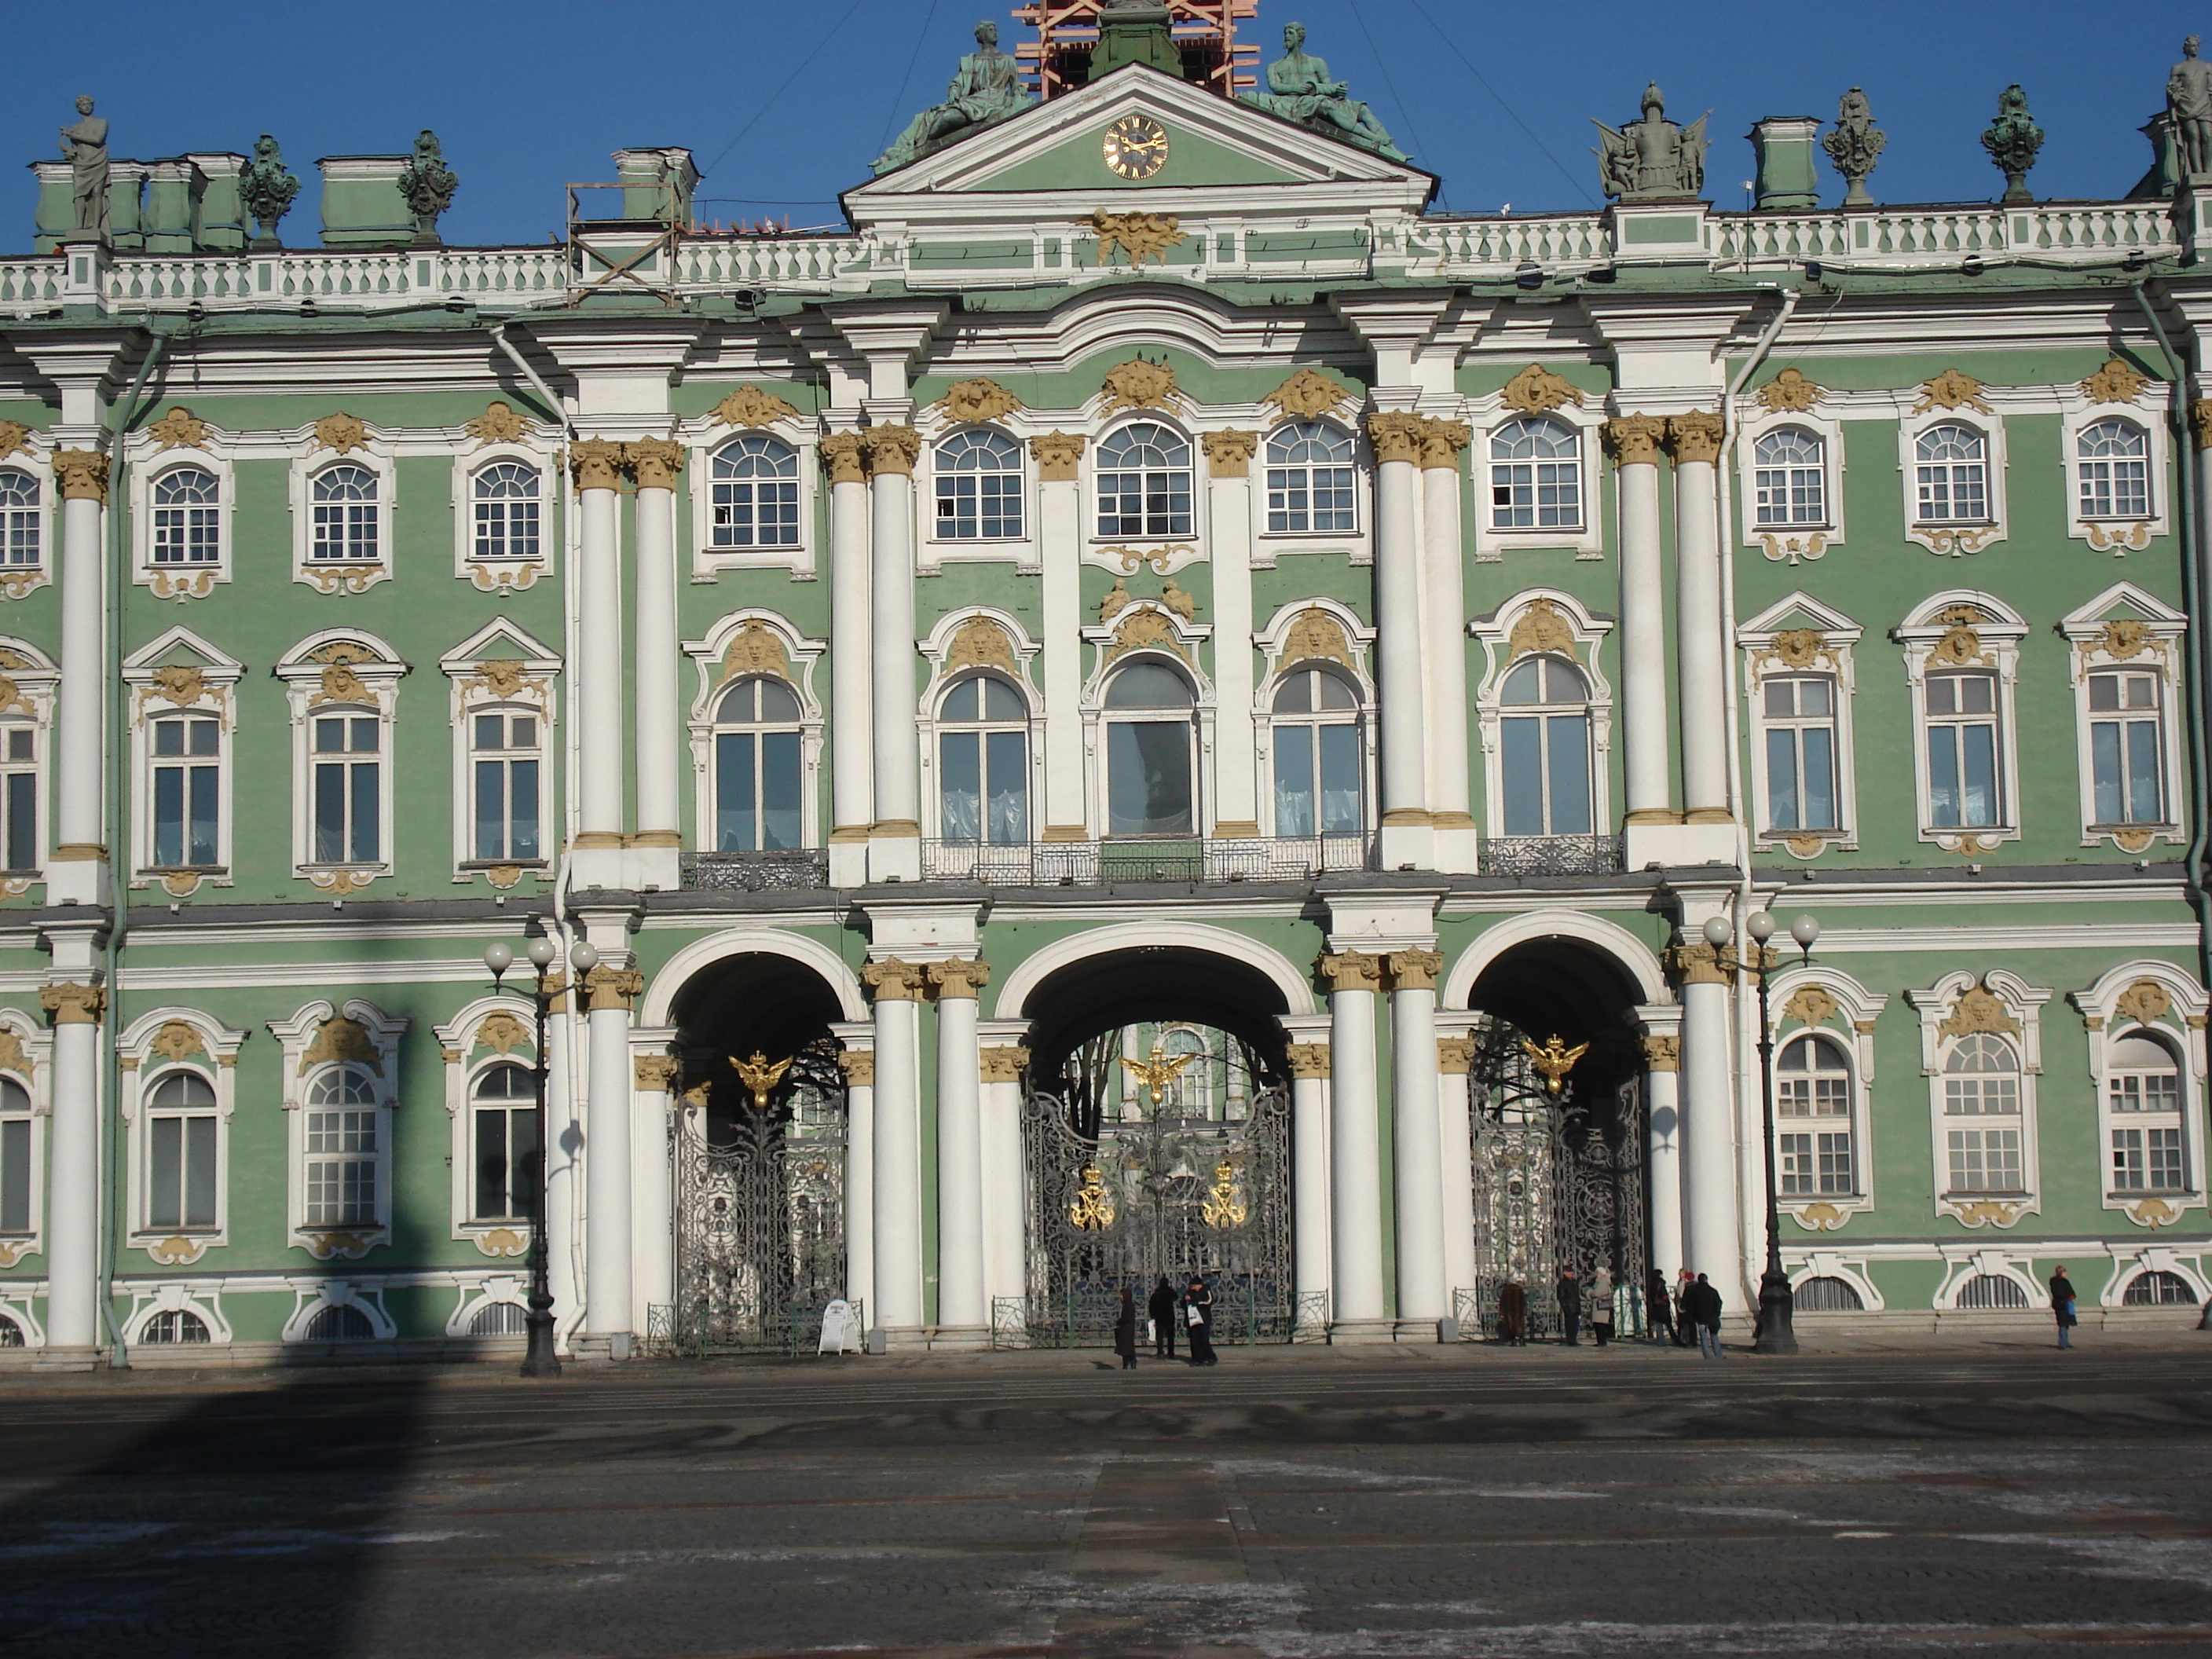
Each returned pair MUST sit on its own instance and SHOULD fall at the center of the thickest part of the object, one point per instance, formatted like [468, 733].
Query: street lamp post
[539, 1360]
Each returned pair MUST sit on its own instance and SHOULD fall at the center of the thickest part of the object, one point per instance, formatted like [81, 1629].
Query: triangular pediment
[1052, 159]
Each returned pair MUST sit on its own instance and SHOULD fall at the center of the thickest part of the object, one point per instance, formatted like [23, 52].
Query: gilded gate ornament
[1157, 1070]
[760, 1076]
[1537, 391]
[1553, 1061]
[1224, 1207]
[1092, 1211]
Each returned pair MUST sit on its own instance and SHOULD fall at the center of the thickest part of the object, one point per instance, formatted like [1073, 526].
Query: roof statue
[2189, 110]
[986, 89]
[267, 189]
[1652, 159]
[1299, 90]
[428, 184]
[85, 146]
[1854, 146]
[2012, 141]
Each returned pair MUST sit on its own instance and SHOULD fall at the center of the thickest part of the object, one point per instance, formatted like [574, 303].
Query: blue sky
[784, 104]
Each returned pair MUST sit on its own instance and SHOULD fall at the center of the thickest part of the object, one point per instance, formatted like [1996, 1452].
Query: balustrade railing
[757, 873]
[1096, 863]
[1549, 855]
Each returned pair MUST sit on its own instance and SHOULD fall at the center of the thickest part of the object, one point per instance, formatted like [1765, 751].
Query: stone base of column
[601, 1350]
[1426, 1331]
[1365, 1333]
[899, 1338]
[1457, 839]
[895, 853]
[848, 858]
[78, 881]
[959, 1339]
[604, 866]
[1680, 846]
[55, 1358]
[1407, 845]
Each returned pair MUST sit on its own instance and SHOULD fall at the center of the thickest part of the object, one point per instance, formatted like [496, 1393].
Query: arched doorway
[759, 1148]
[1156, 1141]
[1556, 1092]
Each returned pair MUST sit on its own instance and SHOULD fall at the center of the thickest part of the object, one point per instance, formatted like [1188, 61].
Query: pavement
[1913, 1494]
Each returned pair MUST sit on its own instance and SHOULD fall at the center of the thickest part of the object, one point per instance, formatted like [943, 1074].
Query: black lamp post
[539, 1360]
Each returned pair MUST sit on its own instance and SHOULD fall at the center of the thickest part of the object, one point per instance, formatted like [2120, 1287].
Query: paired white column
[653, 1182]
[608, 1317]
[895, 836]
[1310, 1231]
[858, 1065]
[1445, 605]
[852, 723]
[1357, 1312]
[564, 1175]
[1236, 753]
[1663, 1120]
[1646, 750]
[1455, 1160]
[1060, 547]
[658, 463]
[1005, 1229]
[79, 868]
[897, 1173]
[1407, 837]
[1712, 1233]
[73, 1141]
[598, 465]
[963, 1313]
[1423, 1296]
[1694, 440]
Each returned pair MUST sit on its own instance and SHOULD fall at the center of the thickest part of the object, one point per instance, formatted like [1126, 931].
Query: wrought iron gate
[760, 1220]
[1166, 1191]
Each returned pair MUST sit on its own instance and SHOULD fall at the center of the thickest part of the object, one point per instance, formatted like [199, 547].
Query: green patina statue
[267, 188]
[986, 90]
[1299, 90]
[2012, 141]
[1653, 159]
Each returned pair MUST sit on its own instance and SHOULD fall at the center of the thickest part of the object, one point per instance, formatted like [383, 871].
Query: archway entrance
[1556, 1089]
[1156, 1142]
[759, 1151]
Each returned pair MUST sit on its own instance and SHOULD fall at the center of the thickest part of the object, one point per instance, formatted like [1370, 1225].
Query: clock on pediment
[1136, 147]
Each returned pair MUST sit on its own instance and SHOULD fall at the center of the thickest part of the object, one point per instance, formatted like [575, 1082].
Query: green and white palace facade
[1204, 706]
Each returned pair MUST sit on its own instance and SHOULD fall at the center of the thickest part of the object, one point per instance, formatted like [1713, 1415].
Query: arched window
[339, 1325]
[1986, 1290]
[2143, 1088]
[1546, 749]
[1151, 739]
[174, 1325]
[181, 1152]
[755, 492]
[1963, 790]
[979, 486]
[2158, 1289]
[504, 1103]
[1144, 481]
[341, 1135]
[500, 1318]
[1799, 724]
[2113, 462]
[1309, 478]
[1318, 765]
[1952, 470]
[19, 517]
[1535, 475]
[1813, 1096]
[506, 511]
[345, 513]
[757, 768]
[982, 763]
[1790, 477]
[15, 1171]
[1828, 1295]
[187, 517]
[1981, 1086]
[11, 1334]
[2127, 747]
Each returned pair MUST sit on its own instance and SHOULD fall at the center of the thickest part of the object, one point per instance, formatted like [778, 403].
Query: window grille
[754, 493]
[345, 514]
[20, 519]
[979, 487]
[507, 511]
[1310, 478]
[1535, 475]
[1987, 1291]
[1790, 478]
[757, 768]
[1143, 483]
[2114, 462]
[187, 527]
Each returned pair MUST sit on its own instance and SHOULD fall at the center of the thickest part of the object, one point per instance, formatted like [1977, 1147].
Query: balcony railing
[1175, 858]
[798, 868]
[1550, 855]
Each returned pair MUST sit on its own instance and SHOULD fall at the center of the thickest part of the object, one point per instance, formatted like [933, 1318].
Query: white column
[73, 1137]
[1694, 440]
[1005, 1229]
[598, 466]
[1663, 1120]
[1060, 550]
[851, 725]
[1357, 1311]
[1645, 748]
[858, 1065]
[652, 1184]
[1407, 837]
[1456, 1160]
[609, 1317]
[79, 870]
[897, 1175]
[1235, 752]
[1445, 607]
[1423, 1296]
[654, 669]
[963, 1315]
[564, 1195]
[1309, 1170]
[894, 837]
[1708, 1137]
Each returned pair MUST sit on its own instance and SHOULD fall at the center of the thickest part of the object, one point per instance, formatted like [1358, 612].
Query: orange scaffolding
[1204, 31]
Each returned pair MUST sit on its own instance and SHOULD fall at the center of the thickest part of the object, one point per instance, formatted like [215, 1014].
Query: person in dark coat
[1198, 1318]
[1160, 1308]
[1570, 1308]
[1658, 1307]
[1513, 1314]
[2062, 1306]
[1125, 1331]
[1705, 1309]
[1686, 1319]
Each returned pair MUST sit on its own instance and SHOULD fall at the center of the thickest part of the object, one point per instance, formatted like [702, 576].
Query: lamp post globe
[1716, 930]
[1805, 930]
[584, 957]
[499, 956]
[543, 952]
[1761, 926]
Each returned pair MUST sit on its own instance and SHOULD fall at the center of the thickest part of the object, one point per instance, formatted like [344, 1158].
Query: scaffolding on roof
[1205, 32]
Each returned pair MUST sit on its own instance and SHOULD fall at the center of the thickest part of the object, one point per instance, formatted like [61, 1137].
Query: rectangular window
[1816, 1165]
[2116, 488]
[1144, 503]
[2126, 748]
[15, 1175]
[19, 796]
[349, 789]
[2146, 1091]
[340, 1168]
[180, 1184]
[506, 1163]
[979, 505]
[187, 789]
[1536, 494]
[1954, 492]
[504, 770]
[1309, 498]
[1985, 1161]
[1962, 751]
[1790, 495]
[1800, 754]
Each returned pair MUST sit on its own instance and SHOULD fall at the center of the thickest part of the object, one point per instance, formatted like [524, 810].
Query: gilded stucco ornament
[1634, 439]
[341, 432]
[1229, 452]
[1986, 1212]
[1442, 442]
[977, 400]
[841, 459]
[180, 683]
[501, 1032]
[1140, 384]
[1855, 147]
[339, 683]
[892, 980]
[1820, 1217]
[426, 185]
[655, 463]
[1306, 394]
[341, 1039]
[2145, 1002]
[1960, 645]
[1541, 627]
[749, 406]
[176, 1039]
[890, 449]
[1796, 648]
[498, 424]
[14, 439]
[2152, 1213]
[12, 1055]
[1142, 629]
[1537, 391]
[344, 883]
[597, 464]
[981, 643]
[2116, 382]
[1694, 437]
[1139, 237]
[1002, 1063]
[1056, 454]
[497, 1242]
[1316, 636]
[1652, 159]
[177, 1250]
[1157, 560]
[83, 474]
[178, 429]
[1307, 1059]
[1117, 600]
[656, 1075]
[267, 187]
[2200, 423]
[1395, 435]
[2118, 539]
[1788, 392]
[505, 678]
[1811, 1004]
[2123, 639]
[2012, 141]
[1950, 390]
[1979, 1009]
[1177, 600]
[755, 648]
[1455, 1055]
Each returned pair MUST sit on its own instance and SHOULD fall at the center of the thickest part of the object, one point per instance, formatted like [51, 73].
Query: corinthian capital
[612, 988]
[959, 978]
[1442, 442]
[891, 448]
[1351, 970]
[1307, 1059]
[893, 981]
[1413, 970]
[72, 1004]
[83, 475]
[1694, 437]
[840, 453]
[1634, 439]
[597, 464]
[656, 461]
[1396, 437]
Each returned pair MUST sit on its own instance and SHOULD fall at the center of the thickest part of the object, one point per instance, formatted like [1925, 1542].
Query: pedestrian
[2062, 1306]
[1198, 1315]
[1570, 1308]
[1600, 1305]
[1513, 1314]
[1686, 1318]
[1658, 1307]
[1125, 1331]
[1160, 1308]
[1705, 1309]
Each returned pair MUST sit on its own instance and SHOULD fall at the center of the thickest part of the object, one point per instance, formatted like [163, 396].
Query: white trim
[1790, 544]
[2164, 628]
[295, 1037]
[934, 650]
[2117, 536]
[1829, 1264]
[215, 1063]
[2153, 1258]
[1162, 933]
[2024, 1003]
[1588, 419]
[1838, 658]
[345, 575]
[149, 1301]
[933, 552]
[700, 438]
[1626, 949]
[463, 1058]
[341, 1293]
[34, 1077]
[220, 674]
[311, 688]
[1163, 555]
[469, 692]
[1105, 664]
[1357, 543]
[1852, 1026]
[181, 581]
[1272, 643]
[1994, 1261]
[36, 681]
[490, 576]
[1494, 633]
[20, 580]
[803, 655]
[1953, 537]
[1999, 630]
[658, 1006]
[2180, 1029]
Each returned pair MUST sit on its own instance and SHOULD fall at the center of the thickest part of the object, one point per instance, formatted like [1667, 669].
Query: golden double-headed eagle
[757, 1075]
[1158, 1071]
[1553, 1061]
